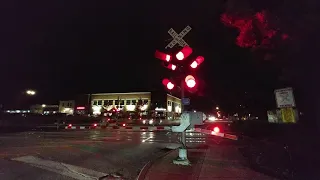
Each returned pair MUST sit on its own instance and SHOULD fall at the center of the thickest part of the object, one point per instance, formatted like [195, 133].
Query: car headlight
[151, 122]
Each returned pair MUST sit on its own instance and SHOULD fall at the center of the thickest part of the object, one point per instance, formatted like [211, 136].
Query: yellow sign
[288, 115]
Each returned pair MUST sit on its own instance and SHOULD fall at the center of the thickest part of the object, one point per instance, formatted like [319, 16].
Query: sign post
[286, 103]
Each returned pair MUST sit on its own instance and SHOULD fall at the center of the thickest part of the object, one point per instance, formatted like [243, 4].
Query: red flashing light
[216, 129]
[184, 53]
[168, 57]
[190, 81]
[162, 56]
[168, 84]
[172, 67]
[194, 64]
[197, 62]
[81, 108]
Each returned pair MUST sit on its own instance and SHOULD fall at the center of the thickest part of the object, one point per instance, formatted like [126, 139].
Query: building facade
[44, 109]
[67, 107]
[130, 101]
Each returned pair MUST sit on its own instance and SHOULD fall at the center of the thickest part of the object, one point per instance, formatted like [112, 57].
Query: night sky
[62, 48]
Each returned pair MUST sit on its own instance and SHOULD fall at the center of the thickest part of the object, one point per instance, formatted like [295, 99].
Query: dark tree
[285, 33]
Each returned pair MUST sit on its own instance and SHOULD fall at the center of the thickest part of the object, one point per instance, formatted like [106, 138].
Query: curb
[145, 169]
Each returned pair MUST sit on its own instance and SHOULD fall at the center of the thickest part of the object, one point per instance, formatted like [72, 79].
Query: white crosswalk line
[72, 171]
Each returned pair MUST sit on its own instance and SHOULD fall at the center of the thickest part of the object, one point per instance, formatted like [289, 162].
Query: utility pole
[183, 134]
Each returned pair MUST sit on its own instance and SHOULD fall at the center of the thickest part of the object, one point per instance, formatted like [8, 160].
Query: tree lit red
[254, 30]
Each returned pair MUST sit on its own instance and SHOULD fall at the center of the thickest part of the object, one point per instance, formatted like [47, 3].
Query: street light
[30, 92]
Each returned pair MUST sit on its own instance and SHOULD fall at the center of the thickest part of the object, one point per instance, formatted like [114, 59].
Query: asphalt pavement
[86, 154]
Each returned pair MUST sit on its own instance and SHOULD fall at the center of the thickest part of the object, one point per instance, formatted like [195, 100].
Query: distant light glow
[96, 110]
[80, 108]
[212, 118]
[31, 92]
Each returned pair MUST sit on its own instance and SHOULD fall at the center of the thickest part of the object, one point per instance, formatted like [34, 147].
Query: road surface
[82, 154]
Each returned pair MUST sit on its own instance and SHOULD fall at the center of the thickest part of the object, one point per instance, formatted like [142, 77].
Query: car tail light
[123, 125]
[95, 125]
[70, 125]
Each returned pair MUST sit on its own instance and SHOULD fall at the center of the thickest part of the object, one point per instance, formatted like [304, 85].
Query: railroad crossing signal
[178, 38]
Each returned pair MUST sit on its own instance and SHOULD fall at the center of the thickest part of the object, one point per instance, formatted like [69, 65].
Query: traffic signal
[190, 81]
[168, 84]
[184, 53]
[162, 56]
[197, 62]
[172, 67]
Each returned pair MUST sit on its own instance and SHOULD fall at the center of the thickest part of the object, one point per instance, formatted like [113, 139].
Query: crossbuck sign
[177, 38]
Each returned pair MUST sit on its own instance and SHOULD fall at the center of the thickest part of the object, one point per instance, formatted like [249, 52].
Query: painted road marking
[61, 168]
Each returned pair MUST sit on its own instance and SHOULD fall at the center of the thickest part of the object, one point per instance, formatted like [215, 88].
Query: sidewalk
[216, 162]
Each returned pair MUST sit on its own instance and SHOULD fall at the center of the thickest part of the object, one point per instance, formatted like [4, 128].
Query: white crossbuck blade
[177, 38]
